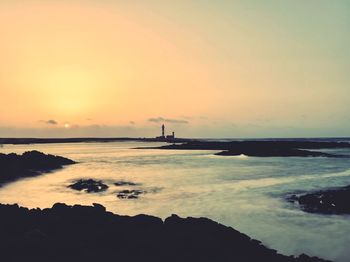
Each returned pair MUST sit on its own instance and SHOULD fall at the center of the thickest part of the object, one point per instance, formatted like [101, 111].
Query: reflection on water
[243, 192]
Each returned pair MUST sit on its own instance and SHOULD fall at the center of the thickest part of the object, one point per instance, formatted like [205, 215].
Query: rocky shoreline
[29, 164]
[262, 148]
[330, 201]
[274, 152]
[85, 233]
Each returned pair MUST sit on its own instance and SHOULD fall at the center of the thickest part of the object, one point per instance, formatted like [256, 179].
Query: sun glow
[115, 62]
[69, 91]
[66, 125]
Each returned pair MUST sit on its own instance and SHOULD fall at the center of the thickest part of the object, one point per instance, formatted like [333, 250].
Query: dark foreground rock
[89, 186]
[81, 233]
[331, 201]
[32, 163]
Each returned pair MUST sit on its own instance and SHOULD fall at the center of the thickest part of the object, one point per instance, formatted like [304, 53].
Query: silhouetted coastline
[29, 164]
[81, 233]
[24, 141]
[262, 148]
[274, 152]
[200, 142]
[84, 233]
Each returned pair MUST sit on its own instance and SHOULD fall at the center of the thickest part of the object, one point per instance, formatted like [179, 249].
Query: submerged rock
[126, 183]
[89, 186]
[31, 163]
[130, 194]
[88, 234]
[331, 201]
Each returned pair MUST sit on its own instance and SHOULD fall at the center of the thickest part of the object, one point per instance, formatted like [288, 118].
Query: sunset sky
[244, 68]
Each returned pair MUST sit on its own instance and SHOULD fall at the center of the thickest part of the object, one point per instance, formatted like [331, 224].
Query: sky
[103, 68]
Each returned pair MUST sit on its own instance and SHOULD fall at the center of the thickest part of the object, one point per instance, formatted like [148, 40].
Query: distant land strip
[18, 141]
[262, 148]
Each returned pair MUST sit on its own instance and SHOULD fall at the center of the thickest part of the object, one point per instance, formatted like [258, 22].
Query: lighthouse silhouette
[163, 137]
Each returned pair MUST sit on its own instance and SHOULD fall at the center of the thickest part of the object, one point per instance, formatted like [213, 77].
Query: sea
[246, 193]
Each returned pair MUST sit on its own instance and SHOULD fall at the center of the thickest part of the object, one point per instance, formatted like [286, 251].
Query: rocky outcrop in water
[331, 201]
[126, 183]
[83, 233]
[32, 163]
[89, 186]
[262, 148]
[251, 144]
[129, 194]
[94, 186]
[273, 152]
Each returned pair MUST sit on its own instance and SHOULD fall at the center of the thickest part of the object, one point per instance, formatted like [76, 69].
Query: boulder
[89, 186]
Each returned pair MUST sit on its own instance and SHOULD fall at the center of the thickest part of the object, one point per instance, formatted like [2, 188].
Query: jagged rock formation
[89, 186]
[331, 201]
[32, 163]
[82, 233]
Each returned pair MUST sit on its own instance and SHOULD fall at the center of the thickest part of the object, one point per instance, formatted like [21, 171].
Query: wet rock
[129, 194]
[99, 207]
[254, 144]
[274, 152]
[126, 183]
[262, 148]
[331, 201]
[31, 163]
[89, 234]
[89, 186]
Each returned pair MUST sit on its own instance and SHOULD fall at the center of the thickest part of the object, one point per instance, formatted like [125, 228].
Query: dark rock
[252, 144]
[81, 233]
[126, 183]
[99, 207]
[19, 141]
[262, 148]
[89, 186]
[273, 152]
[29, 164]
[331, 201]
[60, 207]
[130, 194]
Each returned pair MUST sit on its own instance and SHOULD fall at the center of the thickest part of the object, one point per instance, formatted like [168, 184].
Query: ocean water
[246, 193]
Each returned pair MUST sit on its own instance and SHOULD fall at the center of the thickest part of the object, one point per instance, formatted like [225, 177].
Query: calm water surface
[243, 192]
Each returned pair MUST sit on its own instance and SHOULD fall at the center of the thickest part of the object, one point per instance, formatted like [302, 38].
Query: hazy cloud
[187, 117]
[132, 123]
[49, 122]
[167, 120]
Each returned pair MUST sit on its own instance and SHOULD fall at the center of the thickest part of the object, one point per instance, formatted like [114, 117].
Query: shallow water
[243, 192]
